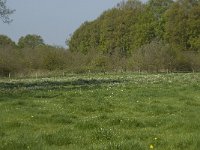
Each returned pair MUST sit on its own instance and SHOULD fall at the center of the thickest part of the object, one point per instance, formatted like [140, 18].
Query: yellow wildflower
[151, 146]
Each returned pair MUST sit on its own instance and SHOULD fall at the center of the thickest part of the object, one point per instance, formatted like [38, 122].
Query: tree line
[160, 35]
[156, 36]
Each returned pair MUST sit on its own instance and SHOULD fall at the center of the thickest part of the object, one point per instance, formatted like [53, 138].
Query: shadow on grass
[51, 85]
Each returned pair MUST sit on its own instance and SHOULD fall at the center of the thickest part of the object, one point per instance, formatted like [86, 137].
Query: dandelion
[151, 146]
[155, 138]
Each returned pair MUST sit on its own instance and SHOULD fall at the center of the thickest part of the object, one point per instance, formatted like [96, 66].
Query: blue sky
[54, 20]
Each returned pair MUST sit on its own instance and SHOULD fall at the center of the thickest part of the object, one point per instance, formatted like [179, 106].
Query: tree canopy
[132, 24]
[30, 41]
[5, 41]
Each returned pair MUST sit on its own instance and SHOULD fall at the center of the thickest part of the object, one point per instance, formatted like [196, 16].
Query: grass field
[101, 112]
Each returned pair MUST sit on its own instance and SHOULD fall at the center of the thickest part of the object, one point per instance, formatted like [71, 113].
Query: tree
[5, 12]
[157, 33]
[108, 33]
[182, 24]
[54, 60]
[30, 41]
[9, 61]
[5, 41]
[130, 4]
[194, 26]
[157, 8]
[155, 56]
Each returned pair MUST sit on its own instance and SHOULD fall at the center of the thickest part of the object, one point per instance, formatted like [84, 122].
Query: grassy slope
[124, 112]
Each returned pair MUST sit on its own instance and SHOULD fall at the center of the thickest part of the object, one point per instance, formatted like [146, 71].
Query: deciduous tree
[30, 41]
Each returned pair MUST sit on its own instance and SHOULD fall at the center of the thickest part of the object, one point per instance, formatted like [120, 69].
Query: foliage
[156, 36]
[30, 41]
[5, 42]
[16, 61]
[5, 12]
[124, 28]
[130, 26]
[182, 25]
[54, 59]
[8, 61]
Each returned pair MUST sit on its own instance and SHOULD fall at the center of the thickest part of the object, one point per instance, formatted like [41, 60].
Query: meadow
[101, 112]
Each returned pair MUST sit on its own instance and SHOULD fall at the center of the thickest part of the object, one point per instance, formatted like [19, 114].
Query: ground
[104, 112]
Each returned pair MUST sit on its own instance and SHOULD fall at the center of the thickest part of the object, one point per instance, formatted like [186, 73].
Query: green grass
[103, 112]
